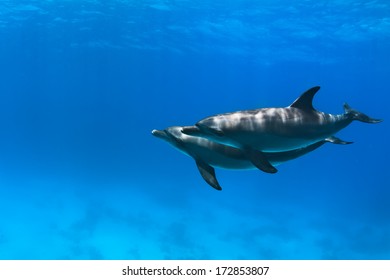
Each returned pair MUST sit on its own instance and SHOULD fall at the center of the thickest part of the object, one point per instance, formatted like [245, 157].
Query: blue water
[83, 83]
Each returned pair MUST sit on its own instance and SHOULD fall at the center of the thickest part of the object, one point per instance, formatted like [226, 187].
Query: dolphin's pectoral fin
[260, 160]
[335, 140]
[305, 101]
[208, 174]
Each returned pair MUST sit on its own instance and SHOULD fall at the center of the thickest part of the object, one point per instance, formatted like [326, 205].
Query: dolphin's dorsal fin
[305, 101]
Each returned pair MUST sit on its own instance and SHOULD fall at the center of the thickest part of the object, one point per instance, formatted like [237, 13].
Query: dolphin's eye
[219, 133]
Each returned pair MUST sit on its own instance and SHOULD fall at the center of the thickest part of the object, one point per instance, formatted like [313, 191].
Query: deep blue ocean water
[83, 83]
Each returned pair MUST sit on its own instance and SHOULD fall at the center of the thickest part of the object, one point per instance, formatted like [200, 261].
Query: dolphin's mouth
[191, 130]
[209, 130]
[167, 135]
[159, 133]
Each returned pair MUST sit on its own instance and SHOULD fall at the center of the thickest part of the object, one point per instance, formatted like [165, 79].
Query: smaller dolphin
[209, 154]
[275, 129]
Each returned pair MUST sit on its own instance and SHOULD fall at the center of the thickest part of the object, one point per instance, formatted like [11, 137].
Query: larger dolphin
[209, 154]
[275, 129]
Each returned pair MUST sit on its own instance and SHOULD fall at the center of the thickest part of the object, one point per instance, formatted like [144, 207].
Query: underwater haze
[83, 84]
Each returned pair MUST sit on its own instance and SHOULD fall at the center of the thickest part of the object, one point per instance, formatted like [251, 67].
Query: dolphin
[209, 154]
[275, 129]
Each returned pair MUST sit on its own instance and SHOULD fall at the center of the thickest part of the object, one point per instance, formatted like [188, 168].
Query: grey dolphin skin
[209, 154]
[275, 129]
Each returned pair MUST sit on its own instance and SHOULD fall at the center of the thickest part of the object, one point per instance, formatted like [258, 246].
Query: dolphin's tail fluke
[356, 115]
